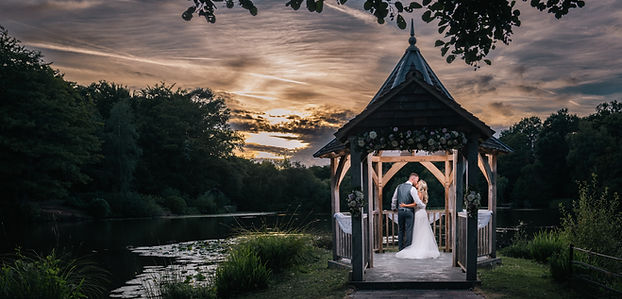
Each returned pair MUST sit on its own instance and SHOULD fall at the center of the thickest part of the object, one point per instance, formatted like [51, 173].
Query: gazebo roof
[412, 60]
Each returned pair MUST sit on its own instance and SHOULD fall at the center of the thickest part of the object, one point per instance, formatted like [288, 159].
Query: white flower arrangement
[355, 202]
[472, 200]
[413, 140]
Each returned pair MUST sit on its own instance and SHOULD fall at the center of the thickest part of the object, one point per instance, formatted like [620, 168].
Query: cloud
[323, 67]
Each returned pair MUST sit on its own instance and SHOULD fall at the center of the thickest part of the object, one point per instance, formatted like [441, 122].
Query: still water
[116, 244]
[131, 248]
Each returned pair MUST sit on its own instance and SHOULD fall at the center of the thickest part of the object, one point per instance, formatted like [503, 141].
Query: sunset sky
[293, 77]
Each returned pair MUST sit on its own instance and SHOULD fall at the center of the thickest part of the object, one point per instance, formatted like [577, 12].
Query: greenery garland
[425, 139]
[355, 200]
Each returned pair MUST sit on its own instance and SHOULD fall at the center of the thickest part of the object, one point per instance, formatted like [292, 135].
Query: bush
[242, 271]
[545, 244]
[518, 249]
[50, 277]
[182, 290]
[594, 221]
[98, 208]
[279, 250]
[206, 203]
[559, 263]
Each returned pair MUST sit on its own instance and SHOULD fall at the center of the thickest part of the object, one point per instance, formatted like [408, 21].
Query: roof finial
[412, 40]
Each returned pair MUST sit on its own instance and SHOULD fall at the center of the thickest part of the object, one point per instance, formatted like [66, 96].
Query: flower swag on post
[413, 140]
[355, 202]
[472, 200]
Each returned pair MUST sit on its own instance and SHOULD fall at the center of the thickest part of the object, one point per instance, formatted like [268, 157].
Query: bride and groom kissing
[415, 237]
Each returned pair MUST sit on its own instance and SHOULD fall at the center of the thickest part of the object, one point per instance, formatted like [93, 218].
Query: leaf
[401, 23]
[450, 58]
[342, 2]
[439, 43]
[399, 6]
[367, 5]
[444, 50]
[442, 28]
[426, 2]
[427, 16]
[319, 6]
[311, 5]
[414, 5]
[487, 61]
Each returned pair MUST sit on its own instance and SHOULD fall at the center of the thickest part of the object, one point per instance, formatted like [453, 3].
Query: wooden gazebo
[413, 99]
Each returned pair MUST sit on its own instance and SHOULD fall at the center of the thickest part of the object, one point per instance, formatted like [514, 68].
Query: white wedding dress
[423, 244]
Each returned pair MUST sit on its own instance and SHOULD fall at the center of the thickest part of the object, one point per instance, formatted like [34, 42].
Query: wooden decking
[390, 272]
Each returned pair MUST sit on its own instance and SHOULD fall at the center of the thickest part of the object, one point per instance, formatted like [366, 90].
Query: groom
[405, 193]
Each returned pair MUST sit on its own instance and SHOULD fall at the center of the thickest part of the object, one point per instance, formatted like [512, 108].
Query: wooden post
[357, 221]
[333, 203]
[471, 151]
[379, 205]
[368, 183]
[446, 185]
[459, 195]
[492, 204]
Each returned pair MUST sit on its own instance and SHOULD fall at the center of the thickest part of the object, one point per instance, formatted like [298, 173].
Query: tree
[518, 165]
[595, 147]
[181, 133]
[471, 28]
[47, 130]
[120, 147]
[551, 151]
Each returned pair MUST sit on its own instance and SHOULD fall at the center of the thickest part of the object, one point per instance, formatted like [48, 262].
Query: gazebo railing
[344, 242]
[484, 237]
[439, 224]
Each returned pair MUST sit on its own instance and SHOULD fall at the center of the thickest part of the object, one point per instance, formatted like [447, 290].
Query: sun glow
[287, 141]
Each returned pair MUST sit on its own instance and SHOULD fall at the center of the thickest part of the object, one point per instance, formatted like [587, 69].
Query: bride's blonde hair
[423, 188]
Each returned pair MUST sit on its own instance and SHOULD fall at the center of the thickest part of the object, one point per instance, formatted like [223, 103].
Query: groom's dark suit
[405, 216]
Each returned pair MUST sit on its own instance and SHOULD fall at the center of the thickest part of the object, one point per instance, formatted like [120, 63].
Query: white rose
[373, 135]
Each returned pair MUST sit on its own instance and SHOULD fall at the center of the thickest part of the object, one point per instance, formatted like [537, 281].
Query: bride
[423, 243]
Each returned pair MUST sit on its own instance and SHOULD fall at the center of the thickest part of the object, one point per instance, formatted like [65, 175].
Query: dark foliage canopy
[470, 28]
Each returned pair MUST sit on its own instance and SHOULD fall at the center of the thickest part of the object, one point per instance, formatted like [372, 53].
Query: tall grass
[172, 284]
[51, 277]
[242, 271]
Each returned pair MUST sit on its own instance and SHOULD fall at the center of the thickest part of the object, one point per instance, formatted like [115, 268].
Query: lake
[132, 247]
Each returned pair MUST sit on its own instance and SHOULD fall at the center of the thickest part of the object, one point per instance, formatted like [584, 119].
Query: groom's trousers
[405, 217]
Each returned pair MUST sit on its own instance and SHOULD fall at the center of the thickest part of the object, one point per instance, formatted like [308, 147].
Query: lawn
[521, 278]
[312, 280]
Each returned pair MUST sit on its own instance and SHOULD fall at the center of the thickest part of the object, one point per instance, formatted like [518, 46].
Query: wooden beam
[342, 168]
[379, 206]
[392, 171]
[435, 171]
[334, 205]
[484, 167]
[374, 176]
[409, 159]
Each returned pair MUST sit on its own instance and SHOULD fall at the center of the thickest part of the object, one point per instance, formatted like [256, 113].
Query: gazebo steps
[397, 285]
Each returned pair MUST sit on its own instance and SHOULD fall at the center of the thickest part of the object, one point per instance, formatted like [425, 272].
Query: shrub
[560, 265]
[50, 277]
[206, 203]
[279, 250]
[518, 249]
[242, 271]
[98, 208]
[545, 244]
[594, 221]
[182, 290]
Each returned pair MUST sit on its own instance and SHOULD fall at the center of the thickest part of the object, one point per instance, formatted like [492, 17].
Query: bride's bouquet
[355, 202]
[472, 199]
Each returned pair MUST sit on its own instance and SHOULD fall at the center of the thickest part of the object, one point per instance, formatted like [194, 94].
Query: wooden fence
[440, 228]
[608, 280]
[344, 242]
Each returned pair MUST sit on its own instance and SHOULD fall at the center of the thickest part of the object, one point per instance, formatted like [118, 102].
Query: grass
[313, 280]
[521, 278]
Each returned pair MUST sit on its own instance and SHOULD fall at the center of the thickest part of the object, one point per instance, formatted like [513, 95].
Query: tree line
[110, 151]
